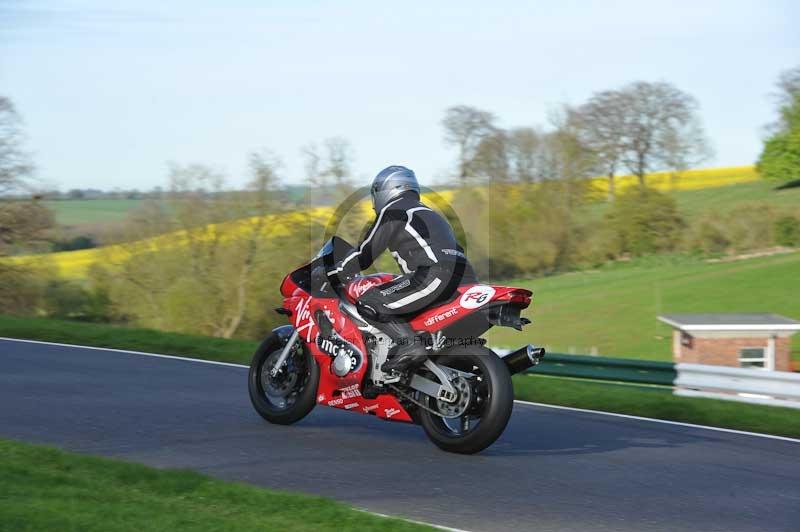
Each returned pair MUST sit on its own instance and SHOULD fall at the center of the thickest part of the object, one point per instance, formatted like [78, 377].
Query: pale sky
[111, 94]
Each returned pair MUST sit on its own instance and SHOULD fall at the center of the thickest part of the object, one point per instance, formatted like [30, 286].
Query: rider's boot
[405, 357]
[408, 352]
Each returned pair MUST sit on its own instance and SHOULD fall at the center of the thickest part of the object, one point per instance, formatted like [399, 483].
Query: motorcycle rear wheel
[486, 419]
[291, 395]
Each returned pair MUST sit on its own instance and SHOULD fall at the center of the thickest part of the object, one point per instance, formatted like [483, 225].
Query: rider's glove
[343, 275]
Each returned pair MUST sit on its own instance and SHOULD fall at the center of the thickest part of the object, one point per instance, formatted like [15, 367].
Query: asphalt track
[553, 470]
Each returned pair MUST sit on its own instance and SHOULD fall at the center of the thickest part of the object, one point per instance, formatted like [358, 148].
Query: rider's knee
[367, 309]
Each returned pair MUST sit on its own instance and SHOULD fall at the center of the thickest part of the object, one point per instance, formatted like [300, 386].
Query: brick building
[737, 340]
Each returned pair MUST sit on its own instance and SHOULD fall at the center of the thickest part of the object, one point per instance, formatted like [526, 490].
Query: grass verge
[102, 335]
[654, 402]
[657, 402]
[42, 489]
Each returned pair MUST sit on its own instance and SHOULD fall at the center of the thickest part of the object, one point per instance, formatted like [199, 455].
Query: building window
[752, 357]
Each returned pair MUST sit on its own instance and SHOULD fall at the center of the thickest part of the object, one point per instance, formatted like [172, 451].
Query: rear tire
[494, 410]
[289, 400]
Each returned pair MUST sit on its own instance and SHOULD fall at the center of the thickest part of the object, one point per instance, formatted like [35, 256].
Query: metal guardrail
[776, 388]
[604, 368]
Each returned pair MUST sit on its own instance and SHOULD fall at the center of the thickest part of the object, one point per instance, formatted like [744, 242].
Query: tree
[568, 159]
[660, 127]
[600, 124]
[684, 147]
[260, 193]
[465, 127]
[15, 164]
[312, 165]
[22, 223]
[264, 180]
[644, 221]
[338, 163]
[780, 158]
[788, 86]
[316, 180]
[490, 163]
[522, 230]
[215, 267]
[514, 231]
[525, 155]
[328, 169]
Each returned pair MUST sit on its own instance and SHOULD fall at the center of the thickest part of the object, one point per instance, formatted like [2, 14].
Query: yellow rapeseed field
[688, 180]
[75, 264]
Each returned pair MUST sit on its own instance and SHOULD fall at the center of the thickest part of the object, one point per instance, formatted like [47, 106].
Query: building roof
[748, 321]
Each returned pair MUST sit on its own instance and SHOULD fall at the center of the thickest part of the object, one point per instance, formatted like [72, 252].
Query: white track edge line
[412, 521]
[664, 421]
[143, 353]
[530, 403]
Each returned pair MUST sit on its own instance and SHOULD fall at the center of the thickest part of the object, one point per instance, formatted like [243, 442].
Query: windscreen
[334, 250]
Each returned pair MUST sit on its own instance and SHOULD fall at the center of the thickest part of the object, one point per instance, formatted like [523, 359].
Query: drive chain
[410, 399]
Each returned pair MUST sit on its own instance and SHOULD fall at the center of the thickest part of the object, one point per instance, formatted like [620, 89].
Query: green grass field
[613, 310]
[646, 401]
[695, 202]
[75, 212]
[44, 489]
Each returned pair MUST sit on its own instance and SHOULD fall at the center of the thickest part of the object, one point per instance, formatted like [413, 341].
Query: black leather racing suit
[424, 246]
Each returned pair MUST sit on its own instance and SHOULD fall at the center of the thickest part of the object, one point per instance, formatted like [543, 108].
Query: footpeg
[392, 378]
[371, 391]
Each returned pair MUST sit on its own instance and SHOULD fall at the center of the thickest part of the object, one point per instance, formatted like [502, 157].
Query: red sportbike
[462, 395]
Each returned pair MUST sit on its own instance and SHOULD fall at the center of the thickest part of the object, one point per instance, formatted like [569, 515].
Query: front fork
[274, 370]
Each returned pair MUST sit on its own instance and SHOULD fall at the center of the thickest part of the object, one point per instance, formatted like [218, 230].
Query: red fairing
[288, 287]
[471, 298]
[339, 392]
[361, 284]
[350, 398]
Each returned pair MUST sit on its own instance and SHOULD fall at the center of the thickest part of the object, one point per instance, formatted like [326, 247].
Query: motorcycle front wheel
[290, 395]
[489, 397]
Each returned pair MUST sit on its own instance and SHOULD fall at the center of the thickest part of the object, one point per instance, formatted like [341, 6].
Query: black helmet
[390, 183]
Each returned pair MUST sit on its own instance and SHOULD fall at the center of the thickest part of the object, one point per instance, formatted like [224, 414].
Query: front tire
[291, 395]
[489, 414]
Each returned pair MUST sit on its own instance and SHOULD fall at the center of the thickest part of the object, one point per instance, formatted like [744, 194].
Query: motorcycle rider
[425, 248]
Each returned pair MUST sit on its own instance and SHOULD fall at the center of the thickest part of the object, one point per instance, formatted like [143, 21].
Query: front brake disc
[281, 384]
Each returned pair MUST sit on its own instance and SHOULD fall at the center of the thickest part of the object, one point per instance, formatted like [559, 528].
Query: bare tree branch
[465, 127]
[16, 166]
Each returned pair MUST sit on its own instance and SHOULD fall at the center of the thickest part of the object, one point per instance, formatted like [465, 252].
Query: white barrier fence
[776, 388]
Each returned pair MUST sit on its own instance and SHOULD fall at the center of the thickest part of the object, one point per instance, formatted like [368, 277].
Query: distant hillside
[84, 211]
[736, 183]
